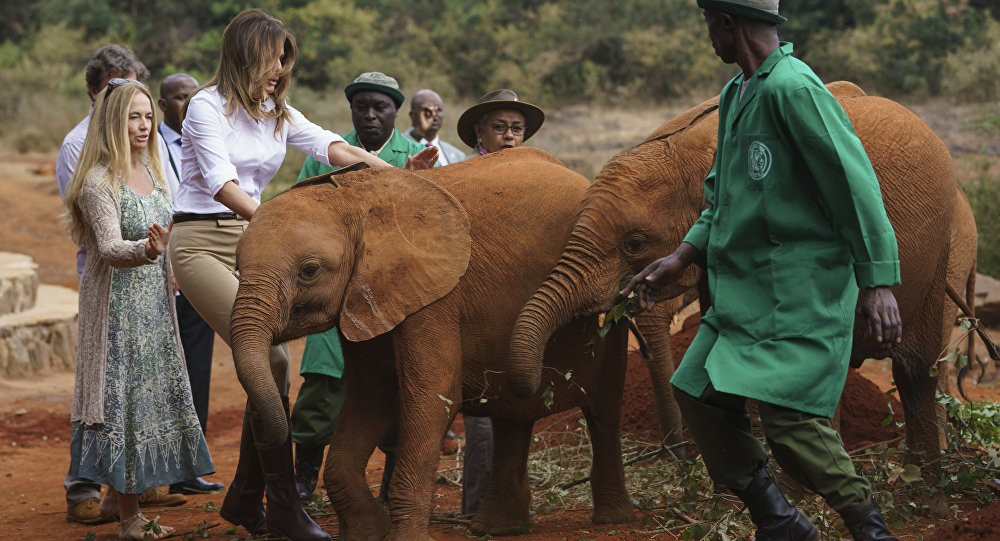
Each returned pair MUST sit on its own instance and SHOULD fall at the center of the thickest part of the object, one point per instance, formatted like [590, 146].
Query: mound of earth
[980, 525]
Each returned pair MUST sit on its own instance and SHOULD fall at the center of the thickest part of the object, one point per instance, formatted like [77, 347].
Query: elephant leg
[370, 410]
[505, 509]
[655, 328]
[429, 365]
[612, 504]
[916, 392]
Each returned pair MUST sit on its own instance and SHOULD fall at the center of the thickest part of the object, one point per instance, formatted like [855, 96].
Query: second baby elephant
[425, 273]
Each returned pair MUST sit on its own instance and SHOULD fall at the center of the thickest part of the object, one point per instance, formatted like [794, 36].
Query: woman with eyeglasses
[134, 422]
[235, 132]
[498, 121]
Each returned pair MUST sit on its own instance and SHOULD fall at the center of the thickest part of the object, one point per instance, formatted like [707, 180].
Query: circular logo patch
[759, 160]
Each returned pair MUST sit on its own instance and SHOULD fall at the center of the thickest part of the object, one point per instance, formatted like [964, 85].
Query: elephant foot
[372, 527]
[494, 523]
[613, 514]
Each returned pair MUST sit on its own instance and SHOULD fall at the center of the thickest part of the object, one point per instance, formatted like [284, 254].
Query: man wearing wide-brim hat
[499, 120]
[794, 227]
[375, 99]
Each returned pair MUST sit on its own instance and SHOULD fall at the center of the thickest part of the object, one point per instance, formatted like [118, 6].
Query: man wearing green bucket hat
[791, 191]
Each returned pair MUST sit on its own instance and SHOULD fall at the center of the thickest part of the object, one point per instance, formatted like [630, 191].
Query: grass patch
[982, 187]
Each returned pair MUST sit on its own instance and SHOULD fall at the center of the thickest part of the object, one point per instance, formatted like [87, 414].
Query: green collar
[784, 49]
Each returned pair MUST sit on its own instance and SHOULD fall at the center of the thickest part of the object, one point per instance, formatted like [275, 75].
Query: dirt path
[34, 412]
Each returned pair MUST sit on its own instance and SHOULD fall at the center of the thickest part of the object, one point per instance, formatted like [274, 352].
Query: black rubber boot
[308, 460]
[284, 514]
[775, 518]
[866, 523]
[243, 505]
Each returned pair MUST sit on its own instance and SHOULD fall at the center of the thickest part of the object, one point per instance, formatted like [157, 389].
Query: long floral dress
[150, 436]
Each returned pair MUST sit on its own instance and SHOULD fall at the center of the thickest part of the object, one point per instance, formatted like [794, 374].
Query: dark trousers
[478, 459]
[317, 408]
[803, 444]
[198, 340]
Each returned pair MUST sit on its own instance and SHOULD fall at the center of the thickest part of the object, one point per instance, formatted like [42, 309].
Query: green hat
[379, 82]
[759, 10]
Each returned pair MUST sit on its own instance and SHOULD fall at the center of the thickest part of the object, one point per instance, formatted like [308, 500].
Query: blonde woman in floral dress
[134, 422]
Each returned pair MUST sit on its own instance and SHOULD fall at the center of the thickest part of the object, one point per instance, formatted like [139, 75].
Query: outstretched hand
[158, 238]
[659, 274]
[424, 159]
[878, 315]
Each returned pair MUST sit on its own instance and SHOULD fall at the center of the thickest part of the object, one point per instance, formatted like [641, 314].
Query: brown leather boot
[284, 514]
[243, 504]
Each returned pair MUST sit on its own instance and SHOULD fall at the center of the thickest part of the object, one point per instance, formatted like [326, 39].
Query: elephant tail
[967, 307]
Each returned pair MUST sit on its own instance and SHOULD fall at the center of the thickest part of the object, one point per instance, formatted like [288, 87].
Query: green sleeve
[313, 167]
[845, 182]
[700, 232]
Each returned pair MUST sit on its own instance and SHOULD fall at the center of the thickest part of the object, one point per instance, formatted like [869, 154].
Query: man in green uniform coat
[374, 99]
[795, 225]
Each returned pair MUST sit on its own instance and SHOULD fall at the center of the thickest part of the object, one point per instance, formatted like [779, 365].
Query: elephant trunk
[251, 339]
[553, 305]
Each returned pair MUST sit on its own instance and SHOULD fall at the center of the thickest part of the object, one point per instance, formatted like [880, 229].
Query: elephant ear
[415, 248]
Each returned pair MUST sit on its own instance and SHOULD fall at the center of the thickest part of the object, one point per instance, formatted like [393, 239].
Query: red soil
[981, 525]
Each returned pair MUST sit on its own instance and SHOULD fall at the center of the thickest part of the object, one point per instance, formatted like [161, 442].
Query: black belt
[178, 218]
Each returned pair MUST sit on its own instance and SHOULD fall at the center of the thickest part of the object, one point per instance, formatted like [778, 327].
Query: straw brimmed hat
[760, 10]
[379, 82]
[499, 99]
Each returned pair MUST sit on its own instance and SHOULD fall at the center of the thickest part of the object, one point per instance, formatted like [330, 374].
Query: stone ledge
[18, 283]
[43, 338]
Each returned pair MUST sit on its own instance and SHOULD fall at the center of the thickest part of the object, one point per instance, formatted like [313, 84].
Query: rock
[38, 323]
[988, 300]
[18, 283]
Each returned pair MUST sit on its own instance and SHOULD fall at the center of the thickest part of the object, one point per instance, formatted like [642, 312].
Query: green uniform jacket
[322, 354]
[794, 226]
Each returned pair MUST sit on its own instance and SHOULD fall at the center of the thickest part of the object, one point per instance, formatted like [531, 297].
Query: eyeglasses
[500, 128]
[118, 81]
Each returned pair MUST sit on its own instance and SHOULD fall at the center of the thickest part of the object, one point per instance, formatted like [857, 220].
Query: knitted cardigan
[101, 210]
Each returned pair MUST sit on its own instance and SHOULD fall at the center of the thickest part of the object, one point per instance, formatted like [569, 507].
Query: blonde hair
[250, 44]
[107, 152]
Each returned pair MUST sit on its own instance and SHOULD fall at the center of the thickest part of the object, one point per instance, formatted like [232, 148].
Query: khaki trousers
[204, 259]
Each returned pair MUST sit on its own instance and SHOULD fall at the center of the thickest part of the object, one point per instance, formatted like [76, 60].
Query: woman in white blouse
[235, 133]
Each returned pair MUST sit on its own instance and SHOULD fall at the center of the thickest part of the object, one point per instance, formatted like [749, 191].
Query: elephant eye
[309, 271]
[634, 244]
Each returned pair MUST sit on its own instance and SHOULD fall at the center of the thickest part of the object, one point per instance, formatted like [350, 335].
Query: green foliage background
[631, 55]
[555, 52]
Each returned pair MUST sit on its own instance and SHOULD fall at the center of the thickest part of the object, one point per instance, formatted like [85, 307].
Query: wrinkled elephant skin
[424, 274]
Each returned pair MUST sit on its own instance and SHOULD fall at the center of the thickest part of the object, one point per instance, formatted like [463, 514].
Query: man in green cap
[374, 99]
[795, 224]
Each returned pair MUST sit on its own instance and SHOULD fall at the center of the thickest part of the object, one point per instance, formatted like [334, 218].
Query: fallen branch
[629, 462]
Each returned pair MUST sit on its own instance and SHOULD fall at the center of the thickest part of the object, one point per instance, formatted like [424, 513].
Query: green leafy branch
[622, 312]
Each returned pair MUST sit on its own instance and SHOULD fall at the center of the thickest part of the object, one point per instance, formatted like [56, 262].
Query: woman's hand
[158, 238]
[424, 159]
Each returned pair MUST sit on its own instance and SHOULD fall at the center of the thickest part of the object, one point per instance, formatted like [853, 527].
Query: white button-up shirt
[216, 149]
[170, 156]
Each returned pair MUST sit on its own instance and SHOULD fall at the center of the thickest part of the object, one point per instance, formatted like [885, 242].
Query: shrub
[983, 191]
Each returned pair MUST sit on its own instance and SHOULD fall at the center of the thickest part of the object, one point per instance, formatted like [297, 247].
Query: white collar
[168, 133]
